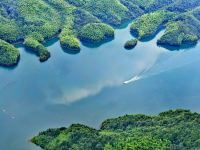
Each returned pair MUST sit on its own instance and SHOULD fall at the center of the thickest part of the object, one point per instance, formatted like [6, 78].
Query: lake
[95, 84]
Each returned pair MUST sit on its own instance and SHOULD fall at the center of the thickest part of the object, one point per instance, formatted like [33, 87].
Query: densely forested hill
[175, 130]
[37, 20]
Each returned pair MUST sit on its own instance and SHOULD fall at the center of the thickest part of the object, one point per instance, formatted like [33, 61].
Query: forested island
[130, 44]
[173, 129]
[32, 22]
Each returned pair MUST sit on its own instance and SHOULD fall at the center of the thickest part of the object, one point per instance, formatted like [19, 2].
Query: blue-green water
[89, 87]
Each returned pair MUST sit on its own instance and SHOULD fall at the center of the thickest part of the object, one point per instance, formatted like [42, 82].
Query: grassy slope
[179, 129]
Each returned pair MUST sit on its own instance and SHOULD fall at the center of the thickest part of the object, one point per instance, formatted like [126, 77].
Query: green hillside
[9, 55]
[177, 130]
[66, 19]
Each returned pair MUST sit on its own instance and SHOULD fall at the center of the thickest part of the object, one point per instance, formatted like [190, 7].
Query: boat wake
[135, 78]
[167, 65]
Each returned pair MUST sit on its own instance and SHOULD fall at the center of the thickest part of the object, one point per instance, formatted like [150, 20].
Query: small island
[130, 44]
[9, 55]
[173, 129]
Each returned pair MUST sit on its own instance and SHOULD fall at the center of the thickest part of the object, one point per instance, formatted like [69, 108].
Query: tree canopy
[173, 129]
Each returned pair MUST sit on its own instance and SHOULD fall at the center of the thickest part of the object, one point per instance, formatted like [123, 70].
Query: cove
[88, 87]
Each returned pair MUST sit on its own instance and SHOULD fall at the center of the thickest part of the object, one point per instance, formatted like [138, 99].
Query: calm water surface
[88, 87]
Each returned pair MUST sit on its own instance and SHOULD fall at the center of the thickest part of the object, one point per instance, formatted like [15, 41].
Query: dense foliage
[131, 44]
[37, 48]
[108, 11]
[68, 39]
[96, 32]
[180, 17]
[148, 24]
[178, 129]
[9, 55]
[182, 29]
[178, 33]
[67, 19]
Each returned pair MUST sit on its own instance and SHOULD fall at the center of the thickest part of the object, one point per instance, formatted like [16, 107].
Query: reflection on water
[71, 52]
[88, 87]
